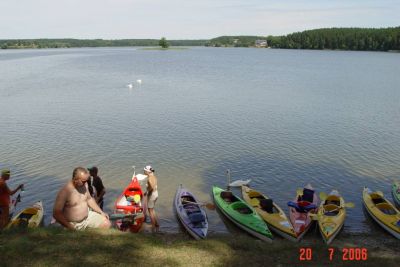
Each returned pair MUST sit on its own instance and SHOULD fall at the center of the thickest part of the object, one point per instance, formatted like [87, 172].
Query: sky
[186, 19]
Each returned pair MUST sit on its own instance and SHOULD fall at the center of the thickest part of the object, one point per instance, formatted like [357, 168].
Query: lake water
[283, 118]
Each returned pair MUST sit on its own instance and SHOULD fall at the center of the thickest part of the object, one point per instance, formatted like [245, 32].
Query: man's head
[93, 171]
[80, 176]
[5, 174]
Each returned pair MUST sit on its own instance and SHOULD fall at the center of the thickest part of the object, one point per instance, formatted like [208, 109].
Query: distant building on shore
[261, 43]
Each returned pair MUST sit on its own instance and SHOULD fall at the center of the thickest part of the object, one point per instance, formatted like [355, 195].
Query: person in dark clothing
[97, 189]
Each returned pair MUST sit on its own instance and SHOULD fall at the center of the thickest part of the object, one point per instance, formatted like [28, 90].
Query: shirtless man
[71, 208]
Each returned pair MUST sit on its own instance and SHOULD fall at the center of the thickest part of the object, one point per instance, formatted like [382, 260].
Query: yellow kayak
[271, 213]
[331, 215]
[382, 211]
[30, 217]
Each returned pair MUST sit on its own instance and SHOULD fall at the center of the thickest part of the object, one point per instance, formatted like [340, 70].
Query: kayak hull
[30, 217]
[396, 193]
[277, 220]
[301, 221]
[331, 216]
[191, 215]
[382, 211]
[241, 214]
[126, 205]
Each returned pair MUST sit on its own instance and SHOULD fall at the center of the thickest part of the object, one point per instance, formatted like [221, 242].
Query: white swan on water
[130, 86]
[139, 81]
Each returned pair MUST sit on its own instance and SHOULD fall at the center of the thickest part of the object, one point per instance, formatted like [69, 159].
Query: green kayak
[396, 193]
[241, 214]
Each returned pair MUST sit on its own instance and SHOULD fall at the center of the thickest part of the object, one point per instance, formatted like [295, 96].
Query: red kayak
[305, 203]
[131, 202]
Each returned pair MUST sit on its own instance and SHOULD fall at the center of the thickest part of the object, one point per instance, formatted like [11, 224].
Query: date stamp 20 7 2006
[347, 254]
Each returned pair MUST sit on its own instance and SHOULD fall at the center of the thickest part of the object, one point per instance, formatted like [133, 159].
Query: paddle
[117, 216]
[208, 205]
[346, 205]
[323, 195]
[16, 201]
[228, 176]
[299, 191]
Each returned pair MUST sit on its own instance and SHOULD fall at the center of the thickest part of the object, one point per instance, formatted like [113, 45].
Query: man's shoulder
[68, 187]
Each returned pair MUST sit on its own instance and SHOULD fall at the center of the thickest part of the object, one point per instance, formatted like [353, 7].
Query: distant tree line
[371, 39]
[235, 41]
[341, 38]
[384, 39]
[67, 43]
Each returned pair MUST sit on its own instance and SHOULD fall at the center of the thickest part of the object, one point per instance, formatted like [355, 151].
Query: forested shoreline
[359, 39]
[341, 38]
[71, 43]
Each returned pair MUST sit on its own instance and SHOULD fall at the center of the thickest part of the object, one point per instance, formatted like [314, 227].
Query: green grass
[58, 247]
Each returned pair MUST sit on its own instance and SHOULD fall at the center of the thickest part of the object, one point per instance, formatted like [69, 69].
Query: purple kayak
[190, 213]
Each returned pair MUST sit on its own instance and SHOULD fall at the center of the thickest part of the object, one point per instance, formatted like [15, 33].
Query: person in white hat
[152, 195]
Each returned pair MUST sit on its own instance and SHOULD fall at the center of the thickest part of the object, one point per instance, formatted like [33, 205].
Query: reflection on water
[281, 117]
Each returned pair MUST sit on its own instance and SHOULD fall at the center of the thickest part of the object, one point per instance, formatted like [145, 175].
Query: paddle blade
[313, 217]
[210, 206]
[299, 191]
[349, 205]
[323, 195]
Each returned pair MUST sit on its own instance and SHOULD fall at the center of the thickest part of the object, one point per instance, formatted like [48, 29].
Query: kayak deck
[241, 214]
[190, 213]
[30, 217]
[131, 201]
[382, 211]
[272, 214]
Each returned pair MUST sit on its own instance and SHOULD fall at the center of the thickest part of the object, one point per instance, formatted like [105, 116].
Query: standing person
[152, 195]
[98, 187]
[5, 194]
[71, 208]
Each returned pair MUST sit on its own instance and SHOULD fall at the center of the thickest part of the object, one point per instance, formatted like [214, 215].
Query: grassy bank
[58, 247]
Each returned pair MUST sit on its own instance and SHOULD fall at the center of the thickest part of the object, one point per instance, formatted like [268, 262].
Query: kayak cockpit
[382, 204]
[386, 208]
[228, 197]
[193, 211]
[331, 210]
[241, 208]
[258, 200]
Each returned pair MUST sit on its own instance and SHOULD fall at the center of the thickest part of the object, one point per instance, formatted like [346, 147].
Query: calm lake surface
[283, 118]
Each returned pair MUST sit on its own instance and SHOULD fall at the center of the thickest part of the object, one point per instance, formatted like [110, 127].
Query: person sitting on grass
[71, 208]
[5, 194]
